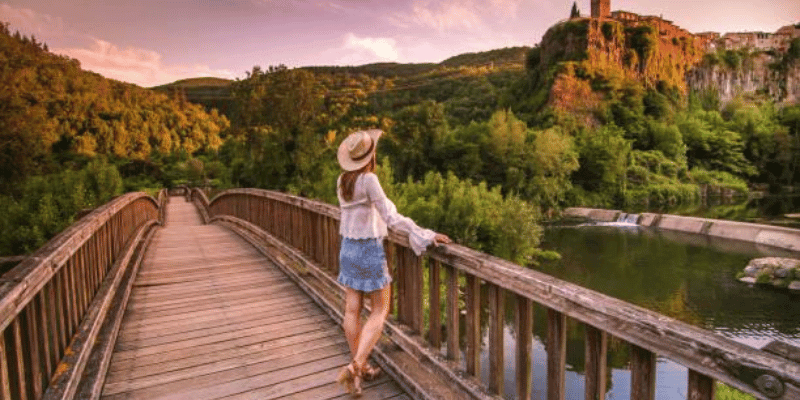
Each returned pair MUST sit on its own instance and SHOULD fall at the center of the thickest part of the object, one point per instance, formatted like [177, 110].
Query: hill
[54, 111]
[197, 82]
[400, 83]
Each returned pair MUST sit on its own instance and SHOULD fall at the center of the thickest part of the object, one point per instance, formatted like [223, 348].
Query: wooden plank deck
[212, 318]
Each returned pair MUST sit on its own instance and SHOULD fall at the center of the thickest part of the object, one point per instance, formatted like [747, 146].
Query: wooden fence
[459, 272]
[53, 303]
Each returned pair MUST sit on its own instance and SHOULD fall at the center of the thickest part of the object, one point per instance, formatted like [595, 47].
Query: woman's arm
[419, 238]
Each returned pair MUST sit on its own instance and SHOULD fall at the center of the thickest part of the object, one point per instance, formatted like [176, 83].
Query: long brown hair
[348, 182]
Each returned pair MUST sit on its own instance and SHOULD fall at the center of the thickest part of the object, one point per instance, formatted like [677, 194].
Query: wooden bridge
[185, 298]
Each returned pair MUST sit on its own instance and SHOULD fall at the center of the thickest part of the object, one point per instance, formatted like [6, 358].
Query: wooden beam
[473, 325]
[434, 285]
[596, 363]
[556, 355]
[5, 358]
[453, 352]
[496, 342]
[524, 323]
[701, 387]
[643, 373]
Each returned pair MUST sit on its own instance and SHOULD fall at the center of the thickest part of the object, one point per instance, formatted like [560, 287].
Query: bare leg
[353, 301]
[372, 330]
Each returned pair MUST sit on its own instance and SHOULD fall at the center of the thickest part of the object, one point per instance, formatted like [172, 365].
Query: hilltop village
[710, 41]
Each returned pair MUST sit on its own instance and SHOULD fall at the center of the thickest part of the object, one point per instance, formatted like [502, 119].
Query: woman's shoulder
[370, 178]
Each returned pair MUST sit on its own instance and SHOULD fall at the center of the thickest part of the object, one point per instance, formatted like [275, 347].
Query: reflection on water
[688, 277]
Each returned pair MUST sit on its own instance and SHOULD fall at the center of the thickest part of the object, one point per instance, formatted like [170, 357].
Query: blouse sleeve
[419, 238]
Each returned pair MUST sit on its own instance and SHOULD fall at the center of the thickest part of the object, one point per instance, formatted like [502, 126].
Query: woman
[363, 271]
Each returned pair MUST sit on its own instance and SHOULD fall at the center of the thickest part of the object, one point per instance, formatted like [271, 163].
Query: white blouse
[368, 213]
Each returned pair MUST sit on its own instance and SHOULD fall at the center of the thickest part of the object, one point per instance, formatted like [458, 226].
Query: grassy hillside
[403, 83]
[196, 82]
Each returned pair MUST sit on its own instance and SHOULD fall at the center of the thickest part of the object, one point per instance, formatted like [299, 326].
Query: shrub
[48, 204]
[474, 215]
[763, 277]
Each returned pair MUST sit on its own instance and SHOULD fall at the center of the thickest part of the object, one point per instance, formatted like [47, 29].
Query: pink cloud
[381, 47]
[30, 22]
[135, 65]
[453, 14]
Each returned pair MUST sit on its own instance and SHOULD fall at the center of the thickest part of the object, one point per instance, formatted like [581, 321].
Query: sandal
[371, 372]
[350, 377]
[345, 377]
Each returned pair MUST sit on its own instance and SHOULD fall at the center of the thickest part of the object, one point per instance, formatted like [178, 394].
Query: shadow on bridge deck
[210, 317]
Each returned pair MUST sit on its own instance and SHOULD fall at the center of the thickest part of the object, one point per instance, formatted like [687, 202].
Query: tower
[601, 8]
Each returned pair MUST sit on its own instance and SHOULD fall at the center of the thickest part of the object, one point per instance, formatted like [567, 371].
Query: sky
[153, 42]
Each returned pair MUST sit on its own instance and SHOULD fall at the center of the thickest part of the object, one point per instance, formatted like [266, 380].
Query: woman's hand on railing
[441, 239]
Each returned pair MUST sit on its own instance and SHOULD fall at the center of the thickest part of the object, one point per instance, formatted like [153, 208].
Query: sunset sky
[151, 42]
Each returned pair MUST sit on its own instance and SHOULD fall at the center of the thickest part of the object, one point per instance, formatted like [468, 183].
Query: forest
[481, 146]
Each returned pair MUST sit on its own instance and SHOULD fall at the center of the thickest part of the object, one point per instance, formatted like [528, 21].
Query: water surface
[687, 277]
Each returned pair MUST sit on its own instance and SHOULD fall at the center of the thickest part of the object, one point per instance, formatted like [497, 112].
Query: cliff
[731, 73]
[587, 59]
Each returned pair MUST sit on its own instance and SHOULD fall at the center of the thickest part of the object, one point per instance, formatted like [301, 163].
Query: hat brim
[347, 163]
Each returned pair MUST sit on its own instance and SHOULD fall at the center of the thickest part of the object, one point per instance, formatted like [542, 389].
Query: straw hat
[357, 149]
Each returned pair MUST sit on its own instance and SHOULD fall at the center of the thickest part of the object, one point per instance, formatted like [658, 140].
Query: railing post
[496, 343]
[473, 325]
[18, 360]
[399, 259]
[701, 387]
[434, 286]
[556, 354]
[49, 320]
[596, 363]
[524, 322]
[416, 275]
[5, 358]
[453, 352]
[391, 260]
[643, 373]
[34, 353]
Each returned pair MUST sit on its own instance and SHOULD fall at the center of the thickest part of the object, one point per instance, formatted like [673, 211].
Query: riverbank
[759, 234]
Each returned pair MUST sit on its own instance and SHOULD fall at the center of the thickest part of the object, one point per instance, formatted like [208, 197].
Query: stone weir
[766, 235]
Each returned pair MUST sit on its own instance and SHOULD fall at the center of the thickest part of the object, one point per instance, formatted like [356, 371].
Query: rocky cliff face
[754, 75]
[617, 52]
[609, 48]
[589, 58]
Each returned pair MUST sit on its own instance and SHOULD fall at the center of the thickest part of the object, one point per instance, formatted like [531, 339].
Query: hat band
[369, 150]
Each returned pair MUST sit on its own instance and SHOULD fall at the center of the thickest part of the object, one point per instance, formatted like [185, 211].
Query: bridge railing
[49, 306]
[312, 228]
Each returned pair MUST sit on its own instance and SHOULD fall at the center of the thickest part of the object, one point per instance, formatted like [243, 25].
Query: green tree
[575, 13]
[413, 138]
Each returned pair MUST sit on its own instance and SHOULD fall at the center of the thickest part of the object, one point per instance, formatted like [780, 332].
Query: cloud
[383, 48]
[506, 7]
[451, 14]
[30, 22]
[455, 14]
[140, 66]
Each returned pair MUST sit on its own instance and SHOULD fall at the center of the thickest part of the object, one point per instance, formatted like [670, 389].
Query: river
[688, 277]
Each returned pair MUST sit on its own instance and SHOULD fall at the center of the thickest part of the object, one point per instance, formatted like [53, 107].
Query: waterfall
[628, 219]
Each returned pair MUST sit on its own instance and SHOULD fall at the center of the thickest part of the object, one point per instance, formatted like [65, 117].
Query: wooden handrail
[312, 228]
[44, 299]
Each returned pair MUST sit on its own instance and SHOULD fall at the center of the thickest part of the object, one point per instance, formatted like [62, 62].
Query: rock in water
[777, 271]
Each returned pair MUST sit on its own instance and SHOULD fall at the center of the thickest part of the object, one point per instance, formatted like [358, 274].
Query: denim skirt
[362, 264]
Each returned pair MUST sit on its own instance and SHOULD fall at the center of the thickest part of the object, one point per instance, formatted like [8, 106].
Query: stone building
[601, 8]
[779, 40]
[709, 41]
